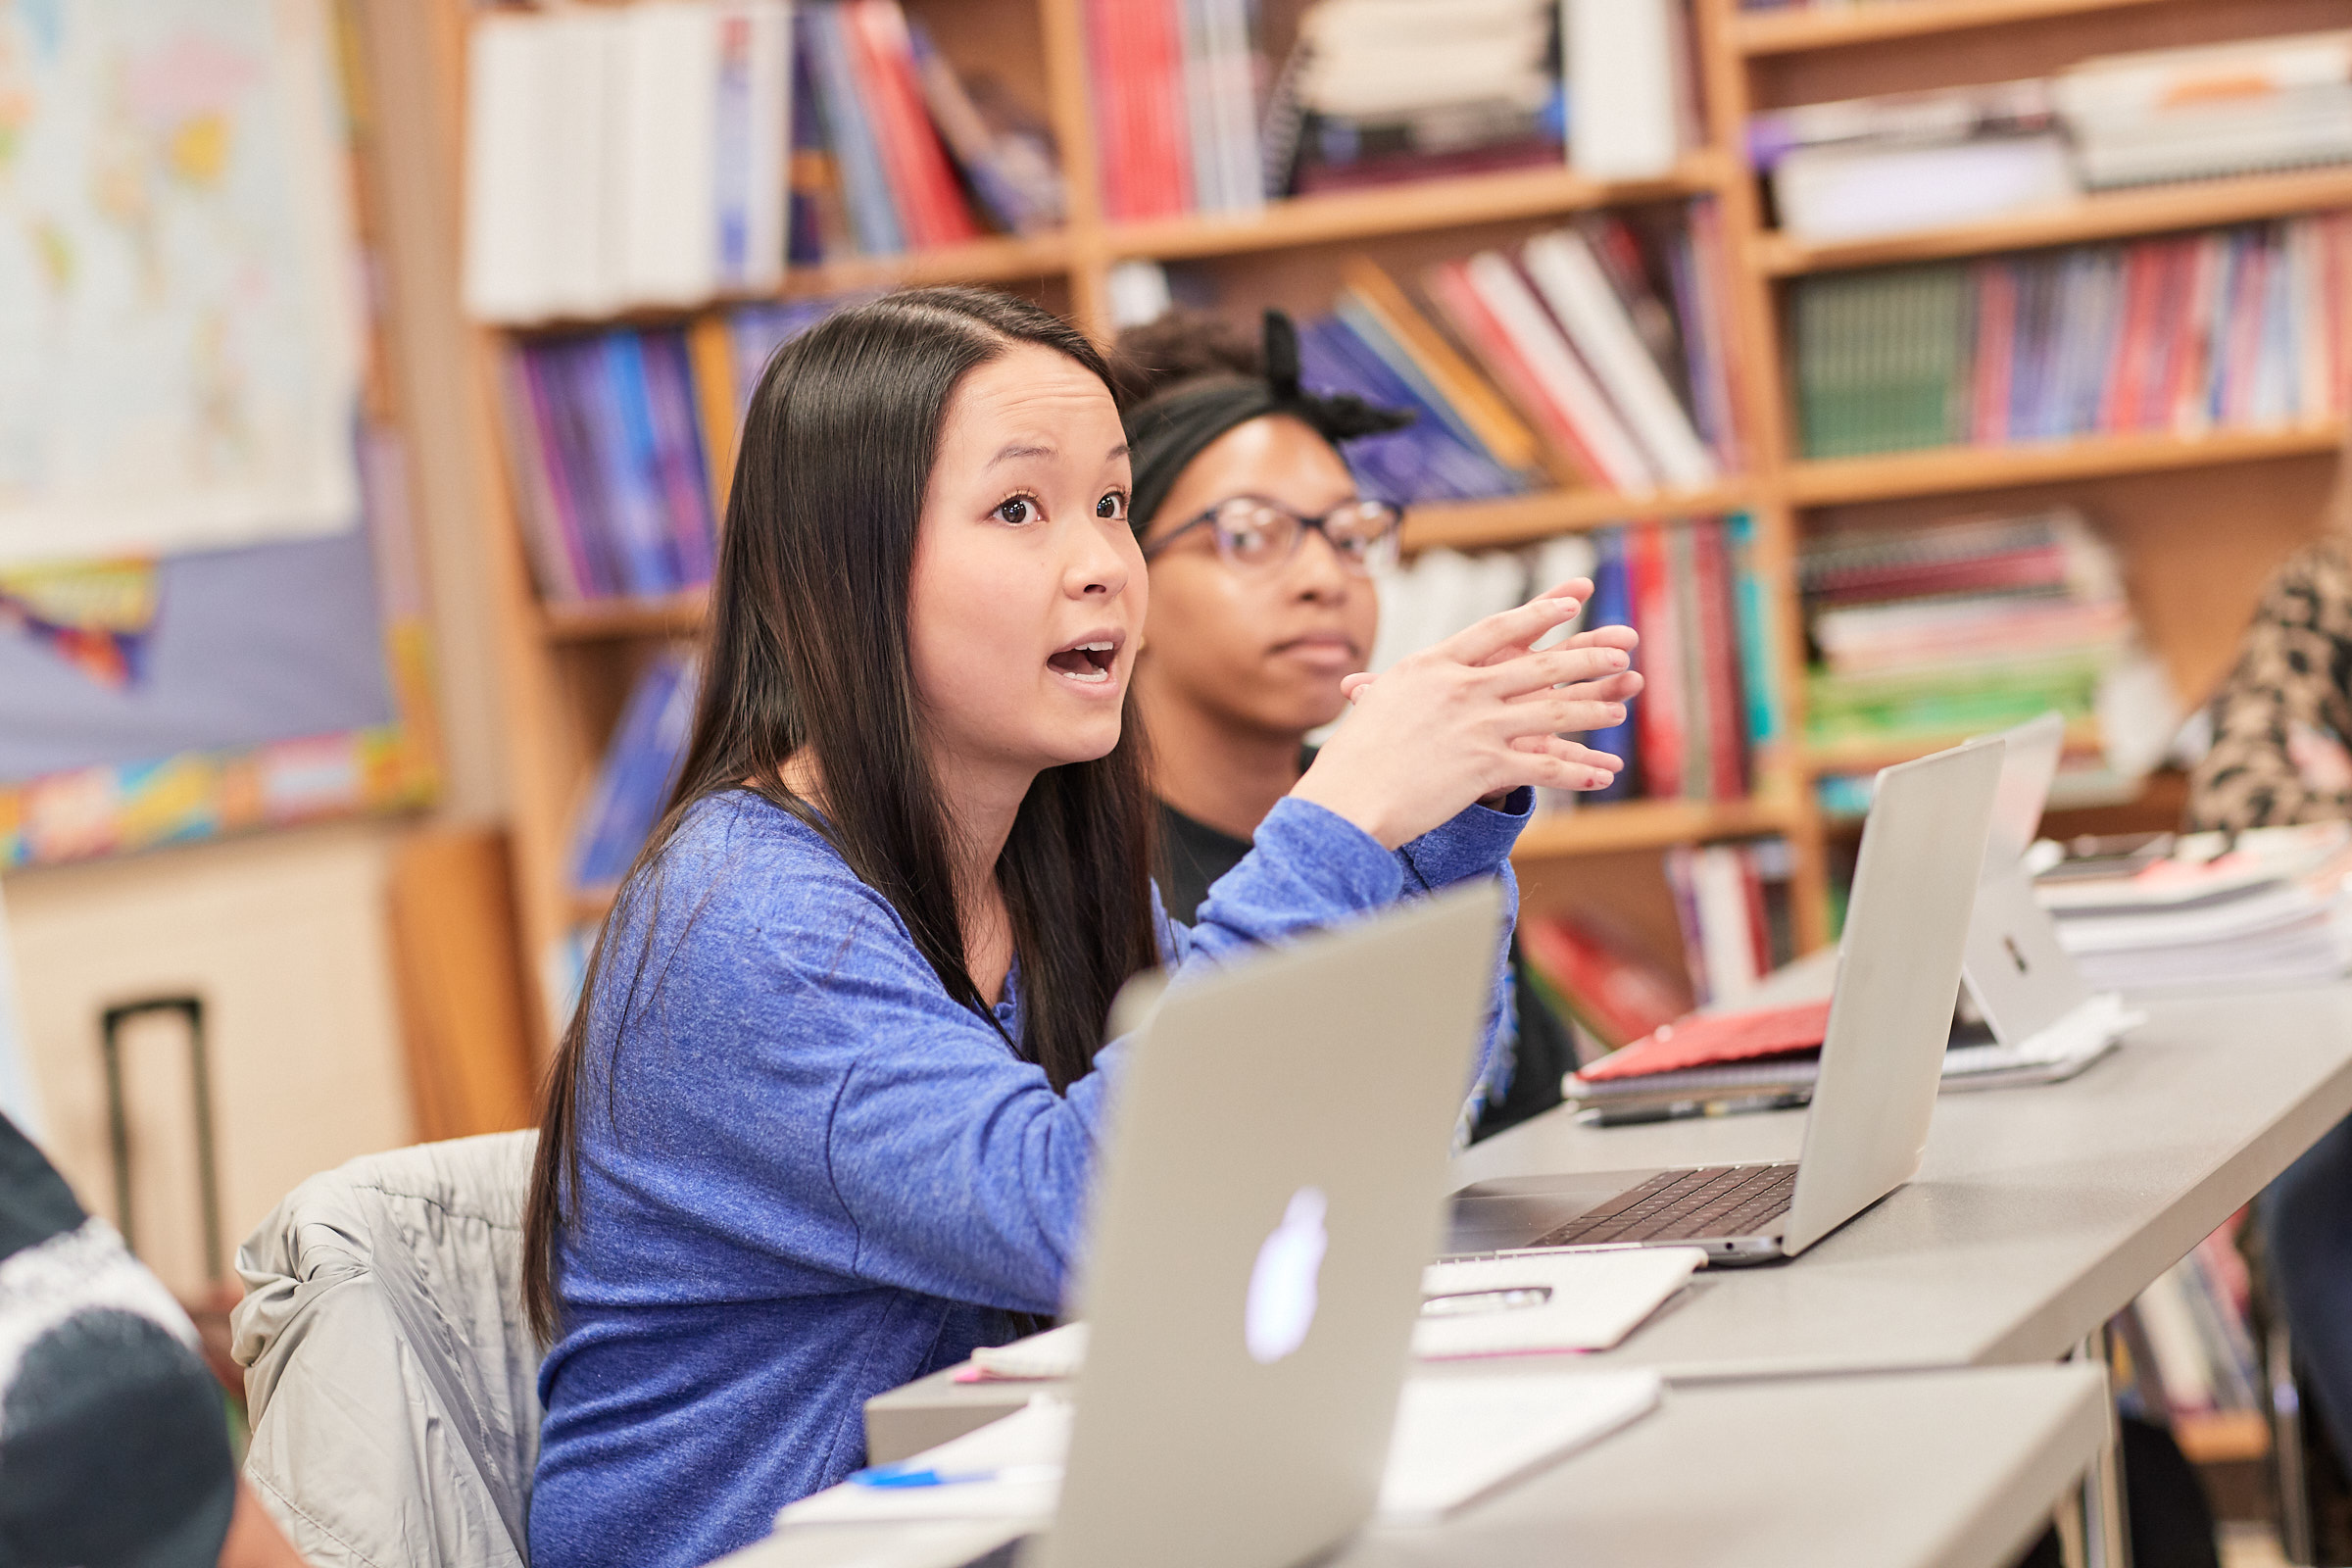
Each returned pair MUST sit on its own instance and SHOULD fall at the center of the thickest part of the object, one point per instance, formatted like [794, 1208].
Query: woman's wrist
[1362, 809]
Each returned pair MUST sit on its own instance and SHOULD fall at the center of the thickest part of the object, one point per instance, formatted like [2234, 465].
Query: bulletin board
[210, 605]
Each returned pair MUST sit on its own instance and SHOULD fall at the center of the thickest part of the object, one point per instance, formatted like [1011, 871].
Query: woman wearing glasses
[826, 1114]
[1262, 553]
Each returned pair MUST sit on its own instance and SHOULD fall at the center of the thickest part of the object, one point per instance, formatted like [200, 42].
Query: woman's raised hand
[1475, 718]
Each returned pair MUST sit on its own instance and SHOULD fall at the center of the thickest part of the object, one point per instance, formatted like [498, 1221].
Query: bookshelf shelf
[997, 259]
[1797, 31]
[1951, 471]
[2222, 1437]
[1522, 519]
[2108, 215]
[601, 619]
[1401, 209]
[1647, 825]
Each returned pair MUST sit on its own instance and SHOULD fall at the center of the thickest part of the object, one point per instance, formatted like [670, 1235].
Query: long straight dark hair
[808, 648]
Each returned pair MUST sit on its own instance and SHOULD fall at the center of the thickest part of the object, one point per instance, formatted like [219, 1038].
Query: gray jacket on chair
[390, 1376]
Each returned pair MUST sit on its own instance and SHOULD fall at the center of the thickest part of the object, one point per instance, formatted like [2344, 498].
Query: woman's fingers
[1509, 631]
[1568, 751]
[1556, 666]
[1354, 686]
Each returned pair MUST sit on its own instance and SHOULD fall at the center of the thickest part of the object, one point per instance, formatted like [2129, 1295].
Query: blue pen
[898, 1475]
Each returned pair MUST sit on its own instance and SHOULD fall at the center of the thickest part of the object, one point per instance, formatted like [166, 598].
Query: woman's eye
[1111, 508]
[1016, 510]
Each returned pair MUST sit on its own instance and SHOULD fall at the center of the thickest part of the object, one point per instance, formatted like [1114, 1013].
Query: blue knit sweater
[816, 1177]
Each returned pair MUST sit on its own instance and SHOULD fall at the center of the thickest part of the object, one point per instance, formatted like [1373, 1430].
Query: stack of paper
[2270, 909]
[2211, 109]
[1457, 1440]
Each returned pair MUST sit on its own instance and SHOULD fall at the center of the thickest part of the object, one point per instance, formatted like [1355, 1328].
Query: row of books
[640, 767]
[1192, 116]
[611, 436]
[1690, 588]
[1960, 629]
[2245, 327]
[1733, 903]
[661, 154]
[1592, 356]
[1905, 160]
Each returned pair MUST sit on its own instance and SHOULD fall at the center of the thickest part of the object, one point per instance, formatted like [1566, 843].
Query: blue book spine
[1758, 697]
[865, 184]
[678, 450]
[575, 368]
[1613, 606]
[639, 768]
[633, 469]
[1424, 462]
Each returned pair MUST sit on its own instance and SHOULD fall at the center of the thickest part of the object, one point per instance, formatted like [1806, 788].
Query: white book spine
[667, 153]
[1565, 268]
[1622, 119]
[1555, 367]
[756, 90]
[1725, 940]
[506, 227]
[582, 109]
[1235, 100]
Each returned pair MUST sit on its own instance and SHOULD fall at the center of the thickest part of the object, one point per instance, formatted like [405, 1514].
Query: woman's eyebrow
[1021, 449]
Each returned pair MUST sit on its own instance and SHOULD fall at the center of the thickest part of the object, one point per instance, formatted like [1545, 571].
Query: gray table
[1923, 1470]
[2038, 1214]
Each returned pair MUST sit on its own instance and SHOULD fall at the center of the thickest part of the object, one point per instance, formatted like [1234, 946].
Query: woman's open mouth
[1089, 662]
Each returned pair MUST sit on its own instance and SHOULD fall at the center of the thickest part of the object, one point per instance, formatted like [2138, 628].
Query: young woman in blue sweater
[825, 1119]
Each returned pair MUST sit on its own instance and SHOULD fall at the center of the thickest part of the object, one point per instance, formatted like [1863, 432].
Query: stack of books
[2264, 908]
[1731, 902]
[639, 770]
[2211, 109]
[621, 156]
[1176, 108]
[2243, 328]
[1690, 588]
[607, 442]
[2188, 1330]
[1394, 90]
[1908, 161]
[1928, 634]
[1628, 391]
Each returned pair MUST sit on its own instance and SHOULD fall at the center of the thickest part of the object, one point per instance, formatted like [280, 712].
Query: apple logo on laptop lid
[1282, 1285]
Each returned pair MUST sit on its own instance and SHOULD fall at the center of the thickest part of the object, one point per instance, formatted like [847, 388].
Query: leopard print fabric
[2294, 673]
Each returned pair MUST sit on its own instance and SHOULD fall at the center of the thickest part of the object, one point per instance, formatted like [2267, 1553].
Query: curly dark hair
[1181, 346]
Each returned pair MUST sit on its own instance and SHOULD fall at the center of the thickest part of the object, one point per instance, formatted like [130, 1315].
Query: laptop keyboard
[1683, 1206]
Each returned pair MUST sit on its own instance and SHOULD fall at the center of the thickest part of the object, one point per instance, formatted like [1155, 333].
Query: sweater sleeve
[2288, 688]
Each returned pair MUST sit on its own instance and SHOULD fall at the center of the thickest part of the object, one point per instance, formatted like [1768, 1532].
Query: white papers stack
[2211, 109]
[2272, 909]
[1457, 1440]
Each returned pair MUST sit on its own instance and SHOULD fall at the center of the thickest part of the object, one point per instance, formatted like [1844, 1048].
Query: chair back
[390, 1376]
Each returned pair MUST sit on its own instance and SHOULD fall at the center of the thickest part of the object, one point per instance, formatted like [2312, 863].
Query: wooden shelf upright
[565, 668]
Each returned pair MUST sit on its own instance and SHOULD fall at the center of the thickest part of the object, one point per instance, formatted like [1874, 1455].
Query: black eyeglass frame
[1307, 524]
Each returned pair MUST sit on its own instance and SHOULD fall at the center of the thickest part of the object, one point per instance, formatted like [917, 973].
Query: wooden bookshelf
[565, 668]
[1523, 520]
[2100, 216]
[1801, 28]
[1955, 470]
[1396, 209]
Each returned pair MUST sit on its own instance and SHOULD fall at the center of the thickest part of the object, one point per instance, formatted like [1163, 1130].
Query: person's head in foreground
[826, 1115]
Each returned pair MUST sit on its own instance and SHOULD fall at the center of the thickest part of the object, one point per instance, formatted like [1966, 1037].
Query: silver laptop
[1274, 1186]
[2017, 974]
[1891, 1014]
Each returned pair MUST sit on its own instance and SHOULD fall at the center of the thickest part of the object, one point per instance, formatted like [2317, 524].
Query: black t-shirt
[1192, 855]
[114, 1446]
